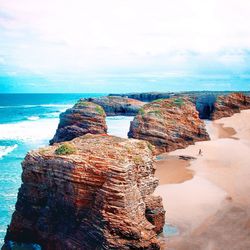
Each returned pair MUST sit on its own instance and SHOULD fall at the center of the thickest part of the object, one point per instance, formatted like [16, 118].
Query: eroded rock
[98, 197]
[83, 118]
[117, 105]
[228, 105]
[169, 124]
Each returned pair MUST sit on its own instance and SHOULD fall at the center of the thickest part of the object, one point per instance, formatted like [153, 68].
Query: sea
[29, 121]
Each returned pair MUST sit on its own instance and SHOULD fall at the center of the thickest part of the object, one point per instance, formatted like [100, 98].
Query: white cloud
[81, 35]
[2, 60]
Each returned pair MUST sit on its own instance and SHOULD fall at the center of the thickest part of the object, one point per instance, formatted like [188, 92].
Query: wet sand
[173, 170]
[210, 205]
[220, 131]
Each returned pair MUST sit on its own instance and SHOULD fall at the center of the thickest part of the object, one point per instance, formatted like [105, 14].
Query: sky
[124, 45]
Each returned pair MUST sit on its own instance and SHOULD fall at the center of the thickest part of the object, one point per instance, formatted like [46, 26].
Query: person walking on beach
[200, 152]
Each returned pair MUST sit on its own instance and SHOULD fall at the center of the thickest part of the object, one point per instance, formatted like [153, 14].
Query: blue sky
[124, 46]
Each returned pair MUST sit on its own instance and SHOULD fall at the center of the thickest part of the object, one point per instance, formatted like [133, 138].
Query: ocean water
[29, 121]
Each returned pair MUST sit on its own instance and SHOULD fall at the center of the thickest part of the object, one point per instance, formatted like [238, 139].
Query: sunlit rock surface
[98, 197]
[228, 105]
[169, 124]
[117, 105]
[83, 118]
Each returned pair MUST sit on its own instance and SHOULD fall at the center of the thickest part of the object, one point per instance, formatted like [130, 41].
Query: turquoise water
[28, 122]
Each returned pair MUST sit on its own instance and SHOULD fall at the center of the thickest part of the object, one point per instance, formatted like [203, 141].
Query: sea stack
[169, 124]
[227, 105]
[94, 192]
[117, 105]
[83, 118]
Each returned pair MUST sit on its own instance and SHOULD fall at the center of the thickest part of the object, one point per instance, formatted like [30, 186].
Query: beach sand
[207, 199]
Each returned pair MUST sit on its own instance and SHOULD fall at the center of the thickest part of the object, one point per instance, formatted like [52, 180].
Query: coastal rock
[203, 96]
[228, 105]
[146, 97]
[98, 195]
[155, 212]
[203, 100]
[83, 118]
[117, 105]
[168, 124]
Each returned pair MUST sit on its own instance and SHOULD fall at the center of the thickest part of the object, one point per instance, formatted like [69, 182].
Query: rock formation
[147, 96]
[83, 118]
[117, 105]
[228, 105]
[203, 100]
[96, 195]
[152, 96]
[168, 124]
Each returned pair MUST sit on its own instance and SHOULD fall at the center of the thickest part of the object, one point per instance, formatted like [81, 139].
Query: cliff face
[226, 106]
[152, 96]
[145, 97]
[117, 105]
[98, 195]
[83, 118]
[203, 100]
[169, 124]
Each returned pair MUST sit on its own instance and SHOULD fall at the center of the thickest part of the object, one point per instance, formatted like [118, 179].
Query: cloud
[2, 60]
[74, 36]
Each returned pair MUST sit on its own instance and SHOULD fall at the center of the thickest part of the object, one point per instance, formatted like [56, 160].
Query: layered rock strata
[83, 118]
[97, 197]
[168, 124]
[117, 105]
[228, 105]
[204, 101]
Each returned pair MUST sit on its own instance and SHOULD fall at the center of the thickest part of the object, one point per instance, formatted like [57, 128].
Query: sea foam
[33, 118]
[119, 125]
[4, 150]
[29, 131]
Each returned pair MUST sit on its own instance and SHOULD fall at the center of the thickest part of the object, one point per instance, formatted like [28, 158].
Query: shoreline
[206, 206]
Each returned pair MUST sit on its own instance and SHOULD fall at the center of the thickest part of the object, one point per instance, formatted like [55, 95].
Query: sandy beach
[207, 198]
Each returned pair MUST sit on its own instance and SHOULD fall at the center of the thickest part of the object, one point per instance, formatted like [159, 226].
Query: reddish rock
[227, 105]
[117, 105]
[155, 212]
[168, 124]
[83, 118]
[97, 197]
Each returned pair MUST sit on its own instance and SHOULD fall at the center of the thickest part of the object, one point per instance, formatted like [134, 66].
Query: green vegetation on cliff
[65, 149]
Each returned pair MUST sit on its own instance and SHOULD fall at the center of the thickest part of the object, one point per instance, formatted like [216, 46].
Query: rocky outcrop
[147, 96]
[83, 118]
[203, 100]
[97, 195]
[117, 105]
[155, 212]
[193, 95]
[168, 124]
[228, 105]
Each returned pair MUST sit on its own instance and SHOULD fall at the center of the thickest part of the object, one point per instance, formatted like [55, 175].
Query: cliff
[145, 97]
[152, 96]
[94, 192]
[203, 100]
[83, 118]
[226, 106]
[168, 124]
[117, 105]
